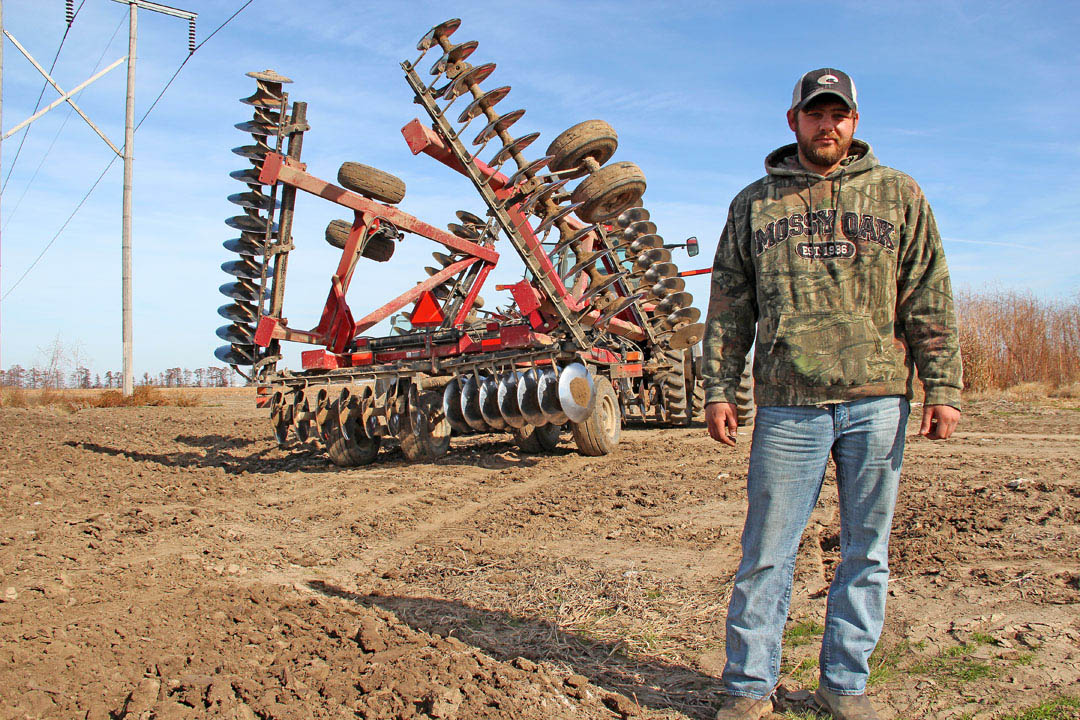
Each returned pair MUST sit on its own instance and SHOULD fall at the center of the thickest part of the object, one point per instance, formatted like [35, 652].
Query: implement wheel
[592, 138]
[371, 182]
[599, 433]
[379, 249]
[609, 191]
[534, 440]
[426, 435]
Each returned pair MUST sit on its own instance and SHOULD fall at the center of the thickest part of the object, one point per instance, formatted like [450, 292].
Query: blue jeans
[791, 447]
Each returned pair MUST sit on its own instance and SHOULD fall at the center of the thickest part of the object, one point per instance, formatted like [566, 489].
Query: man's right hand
[723, 421]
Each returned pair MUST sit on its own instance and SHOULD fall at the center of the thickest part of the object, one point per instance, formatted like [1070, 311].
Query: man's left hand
[939, 421]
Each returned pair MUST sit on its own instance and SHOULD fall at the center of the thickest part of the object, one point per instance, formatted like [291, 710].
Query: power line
[11, 167]
[11, 214]
[242, 8]
[113, 159]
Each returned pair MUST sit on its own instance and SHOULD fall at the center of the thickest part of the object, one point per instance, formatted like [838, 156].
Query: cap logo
[828, 80]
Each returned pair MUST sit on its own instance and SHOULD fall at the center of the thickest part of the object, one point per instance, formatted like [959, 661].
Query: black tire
[431, 439]
[379, 249]
[600, 432]
[535, 440]
[694, 389]
[609, 191]
[673, 386]
[371, 182]
[357, 449]
[592, 138]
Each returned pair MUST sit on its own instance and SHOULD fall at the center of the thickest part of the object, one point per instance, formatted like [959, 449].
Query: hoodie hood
[784, 161]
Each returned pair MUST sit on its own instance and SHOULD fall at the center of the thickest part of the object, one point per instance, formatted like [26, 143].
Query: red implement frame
[422, 139]
[336, 326]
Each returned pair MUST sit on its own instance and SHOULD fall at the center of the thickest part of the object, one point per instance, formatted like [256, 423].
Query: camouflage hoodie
[846, 281]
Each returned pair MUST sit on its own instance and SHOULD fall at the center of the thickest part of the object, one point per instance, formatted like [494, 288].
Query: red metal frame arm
[278, 168]
[412, 294]
[422, 139]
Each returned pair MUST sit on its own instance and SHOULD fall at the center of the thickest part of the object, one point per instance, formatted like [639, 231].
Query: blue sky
[977, 101]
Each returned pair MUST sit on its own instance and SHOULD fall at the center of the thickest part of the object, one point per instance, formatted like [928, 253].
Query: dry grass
[75, 400]
[1015, 340]
[629, 631]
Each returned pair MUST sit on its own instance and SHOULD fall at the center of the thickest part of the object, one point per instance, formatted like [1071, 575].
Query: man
[836, 262]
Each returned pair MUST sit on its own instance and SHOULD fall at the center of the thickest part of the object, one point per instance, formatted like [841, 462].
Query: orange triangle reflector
[427, 312]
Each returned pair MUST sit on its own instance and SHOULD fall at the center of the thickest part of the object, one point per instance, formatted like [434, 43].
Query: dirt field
[174, 563]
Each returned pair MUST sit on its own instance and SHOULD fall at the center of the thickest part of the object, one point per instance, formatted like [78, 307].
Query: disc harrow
[600, 327]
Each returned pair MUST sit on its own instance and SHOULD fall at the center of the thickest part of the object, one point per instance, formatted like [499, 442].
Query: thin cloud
[999, 243]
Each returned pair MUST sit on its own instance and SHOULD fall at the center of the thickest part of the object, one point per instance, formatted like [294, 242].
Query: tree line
[52, 377]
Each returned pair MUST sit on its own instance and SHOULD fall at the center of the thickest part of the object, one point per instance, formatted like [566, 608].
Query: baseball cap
[824, 81]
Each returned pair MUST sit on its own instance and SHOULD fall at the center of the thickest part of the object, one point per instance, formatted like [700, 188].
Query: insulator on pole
[69, 11]
[191, 36]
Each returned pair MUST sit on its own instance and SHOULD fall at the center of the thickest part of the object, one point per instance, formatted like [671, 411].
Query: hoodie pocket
[822, 349]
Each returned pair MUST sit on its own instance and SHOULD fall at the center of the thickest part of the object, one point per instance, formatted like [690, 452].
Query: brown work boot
[744, 708]
[845, 707]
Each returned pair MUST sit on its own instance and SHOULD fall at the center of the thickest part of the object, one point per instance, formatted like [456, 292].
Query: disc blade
[489, 404]
[686, 336]
[633, 215]
[577, 392]
[443, 29]
[586, 263]
[238, 312]
[508, 400]
[528, 401]
[675, 301]
[468, 218]
[452, 407]
[528, 170]
[244, 269]
[487, 100]
[236, 354]
[617, 308]
[556, 217]
[547, 392]
[257, 129]
[243, 247]
[249, 176]
[237, 333]
[242, 290]
[470, 404]
[659, 271]
[246, 223]
[498, 125]
[477, 75]
[514, 146]
[253, 200]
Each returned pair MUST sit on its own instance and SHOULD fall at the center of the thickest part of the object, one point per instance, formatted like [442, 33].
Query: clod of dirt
[369, 637]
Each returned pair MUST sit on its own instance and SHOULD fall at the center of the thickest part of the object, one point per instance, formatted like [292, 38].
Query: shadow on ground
[654, 684]
[219, 451]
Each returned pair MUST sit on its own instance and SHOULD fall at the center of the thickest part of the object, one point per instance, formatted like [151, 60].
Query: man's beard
[826, 156]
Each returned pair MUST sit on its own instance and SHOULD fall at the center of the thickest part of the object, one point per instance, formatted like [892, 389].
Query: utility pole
[129, 162]
[1, 111]
[129, 138]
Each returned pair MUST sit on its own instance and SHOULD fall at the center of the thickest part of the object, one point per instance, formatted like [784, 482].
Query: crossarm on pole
[64, 96]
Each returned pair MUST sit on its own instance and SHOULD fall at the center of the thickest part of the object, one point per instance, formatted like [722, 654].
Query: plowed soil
[175, 563]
